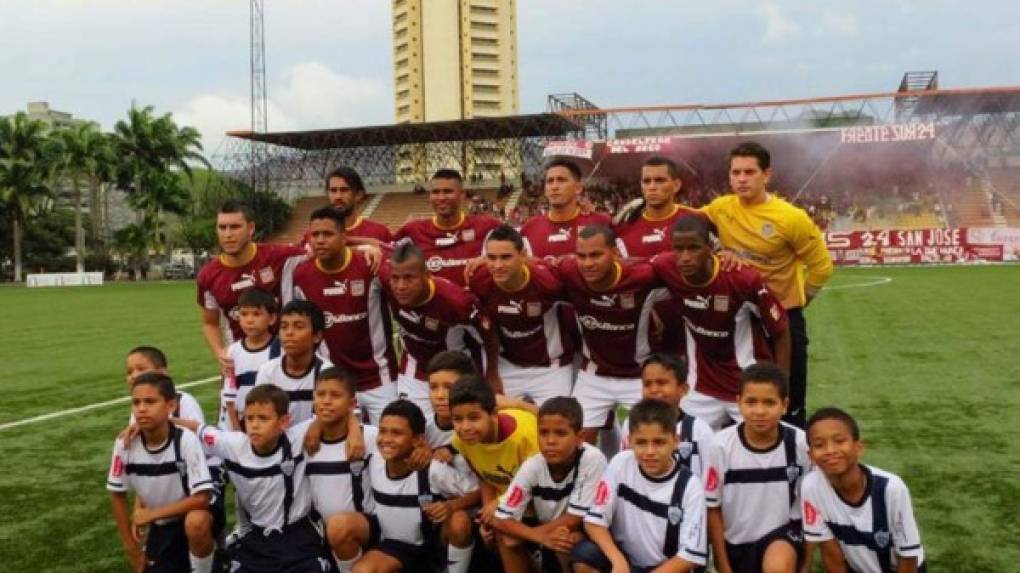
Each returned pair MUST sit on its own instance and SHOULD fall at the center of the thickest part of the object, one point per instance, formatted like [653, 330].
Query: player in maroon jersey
[519, 297]
[730, 317]
[451, 238]
[613, 299]
[358, 328]
[241, 265]
[555, 233]
[346, 191]
[432, 315]
[645, 233]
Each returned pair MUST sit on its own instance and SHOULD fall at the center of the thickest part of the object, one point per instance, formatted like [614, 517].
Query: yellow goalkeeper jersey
[780, 240]
[497, 462]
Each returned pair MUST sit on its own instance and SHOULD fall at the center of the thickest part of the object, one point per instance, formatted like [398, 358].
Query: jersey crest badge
[468, 234]
[266, 275]
[767, 230]
[685, 449]
[792, 473]
[882, 539]
[627, 300]
[356, 467]
[182, 468]
[674, 514]
[534, 309]
[287, 467]
[431, 323]
[358, 288]
[424, 499]
[721, 302]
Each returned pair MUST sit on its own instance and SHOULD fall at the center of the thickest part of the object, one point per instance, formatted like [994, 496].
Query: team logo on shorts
[792, 473]
[534, 309]
[685, 449]
[674, 514]
[882, 539]
[767, 230]
[287, 467]
[358, 288]
[721, 302]
[266, 275]
[468, 234]
[810, 513]
[627, 300]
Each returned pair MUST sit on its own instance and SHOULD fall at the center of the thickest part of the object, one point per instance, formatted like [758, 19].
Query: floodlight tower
[259, 173]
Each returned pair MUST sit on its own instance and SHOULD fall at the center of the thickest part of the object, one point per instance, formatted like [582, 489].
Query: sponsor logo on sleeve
[209, 438]
[810, 513]
[602, 493]
[118, 466]
[515, 497]
[712, 481]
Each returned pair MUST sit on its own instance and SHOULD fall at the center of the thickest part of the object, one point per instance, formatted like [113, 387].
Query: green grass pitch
[928, 363]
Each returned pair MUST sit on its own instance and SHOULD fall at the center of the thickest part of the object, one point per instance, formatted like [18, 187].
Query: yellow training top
[497, 462]
[780, 240]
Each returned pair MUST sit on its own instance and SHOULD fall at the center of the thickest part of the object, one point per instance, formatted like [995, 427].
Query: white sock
[346, 566]
[458, 559]
[201, 564]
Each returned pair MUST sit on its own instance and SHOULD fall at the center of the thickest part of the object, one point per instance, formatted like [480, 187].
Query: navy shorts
[413, 558]
[747, 557]
[300, 548]
[590, 554]
[166, 548]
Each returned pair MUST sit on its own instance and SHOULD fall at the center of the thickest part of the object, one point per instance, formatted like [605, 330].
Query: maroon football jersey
[358, 333]
[447, 251]
[644, 237]
[528, 321]
[615, 323]
[220, 285]
[548, 238]
[362, 227]
[726, 322]
[448, 320]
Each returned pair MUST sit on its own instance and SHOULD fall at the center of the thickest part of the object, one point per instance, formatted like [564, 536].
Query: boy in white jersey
[414, 509]
[257, 310]
[860, 516]
[267, 467]
[559, 483]
[167, 470]
[649, 509]
[142, 359]
[664, 377]
[754, 474]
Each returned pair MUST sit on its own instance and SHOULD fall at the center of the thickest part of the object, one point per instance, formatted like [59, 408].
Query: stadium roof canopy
[969, 101]
[511, 127]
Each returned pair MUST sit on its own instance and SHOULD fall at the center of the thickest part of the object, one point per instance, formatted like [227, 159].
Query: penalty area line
[89, 407]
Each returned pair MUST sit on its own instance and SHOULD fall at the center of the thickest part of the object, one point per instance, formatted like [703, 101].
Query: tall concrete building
[454, 59]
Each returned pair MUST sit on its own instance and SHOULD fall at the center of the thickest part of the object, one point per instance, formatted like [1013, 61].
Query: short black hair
[753, 149]
[448, 174]
[672, 362]
[345, 376]
[269, 394]
[257, 298]
[309, 309]
[566, 406]
[507, 233]
[349, 175]
[652, 412]
[658, 161]
[599, 229]
[338, 216]
[409, 411]
[691, 223]
[565, 163]
[235, 206]
[837, 414]
[406, 251]
[152, 353]
[158, 380]
[473, 389]
[765, 373]
[453, 360]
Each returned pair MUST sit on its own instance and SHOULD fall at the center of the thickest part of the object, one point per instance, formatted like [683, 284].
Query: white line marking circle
[870, 282]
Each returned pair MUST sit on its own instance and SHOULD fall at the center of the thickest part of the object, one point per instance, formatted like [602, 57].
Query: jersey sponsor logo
[520, 333]
[410, 316]
[561, 236]
[468, 234]
[515, 497]
[437, 263]
[266, 275]
[118, 466]
[591, 323]
[721, 302]
[656, 236]
[675, 514]
[627, 300]
[712, 480]
[810, 513]
[605, 300]
[334, 319]
[512, 307]
[699, 302]
[698, 329]
[534, 309]
[247, 281]
[602, 493]
[449, 239]
[358, 288]
[339, 288]
[767, 230]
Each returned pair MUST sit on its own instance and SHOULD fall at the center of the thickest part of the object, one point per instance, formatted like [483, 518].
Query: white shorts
[715, 412]
[539, 383]
[417, 391]
[374, 401]
[600, 395]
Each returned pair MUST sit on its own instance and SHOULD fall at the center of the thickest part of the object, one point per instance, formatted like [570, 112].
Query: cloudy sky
[329, 61]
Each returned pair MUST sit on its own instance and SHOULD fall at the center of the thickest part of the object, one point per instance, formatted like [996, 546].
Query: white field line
[96, 406]
[872, 281]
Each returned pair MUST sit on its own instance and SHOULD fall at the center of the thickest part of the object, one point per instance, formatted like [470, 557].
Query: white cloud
[841, 24]
[778, 26]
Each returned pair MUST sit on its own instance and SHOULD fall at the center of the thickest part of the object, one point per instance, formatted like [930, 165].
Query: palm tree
[24, 170]
[82, 156]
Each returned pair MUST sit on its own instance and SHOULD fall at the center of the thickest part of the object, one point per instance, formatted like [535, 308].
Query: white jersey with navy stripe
[298, 388]
[268, 486]
[692, 449]
[398, 501]
[188, 408]
[535, 485]
[246, 367]
[641, 514]
[756, 489]
[864, 542]
[337, 483]
[437, 436]
[162, 475]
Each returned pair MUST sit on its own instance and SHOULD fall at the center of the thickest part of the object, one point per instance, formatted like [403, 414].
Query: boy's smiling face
[472, 423]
